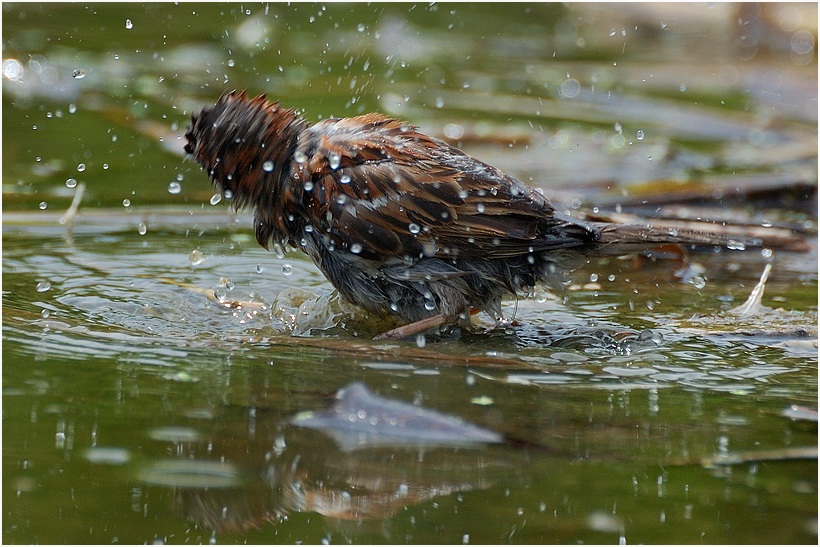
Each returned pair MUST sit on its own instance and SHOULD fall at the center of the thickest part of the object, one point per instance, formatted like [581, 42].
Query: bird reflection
[363, 458]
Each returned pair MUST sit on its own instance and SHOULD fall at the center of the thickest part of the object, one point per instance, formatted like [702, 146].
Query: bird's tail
[615, 239]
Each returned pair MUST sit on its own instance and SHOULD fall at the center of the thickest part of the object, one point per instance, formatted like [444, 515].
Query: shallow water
[154, 357]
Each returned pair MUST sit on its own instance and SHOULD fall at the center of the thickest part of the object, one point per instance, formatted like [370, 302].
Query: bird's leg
[413, 328]
[426, 324]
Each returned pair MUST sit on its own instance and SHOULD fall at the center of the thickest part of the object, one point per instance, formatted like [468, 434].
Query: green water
[154, 355]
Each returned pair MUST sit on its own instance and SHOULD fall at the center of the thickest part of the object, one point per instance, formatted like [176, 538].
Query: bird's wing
[383, 189]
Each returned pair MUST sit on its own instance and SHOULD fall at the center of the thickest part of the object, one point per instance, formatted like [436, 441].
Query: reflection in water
[373, 483]
[362, 419]
[386, 455]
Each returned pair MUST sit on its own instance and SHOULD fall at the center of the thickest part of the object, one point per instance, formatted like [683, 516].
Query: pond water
[166, 380]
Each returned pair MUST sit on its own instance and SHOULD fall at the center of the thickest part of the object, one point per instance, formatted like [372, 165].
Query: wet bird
[400, 223]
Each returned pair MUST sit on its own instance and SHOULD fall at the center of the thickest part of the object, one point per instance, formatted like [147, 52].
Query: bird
[402, 224]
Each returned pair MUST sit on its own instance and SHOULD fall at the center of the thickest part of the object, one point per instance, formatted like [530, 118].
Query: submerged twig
[747, 456]
[779, 454]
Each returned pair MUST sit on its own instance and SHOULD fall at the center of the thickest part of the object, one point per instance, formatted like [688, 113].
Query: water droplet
[480, 207]
[72, 108]
[698, 282]
[421, 340]
[618, 127]
[308, 185]
[439, 102]
[126, 202]
[71, 183]
[196, 257]
[639, 134]
[43, 205]
[78, 74]
[142, 228]
[43, 286]
[267, 166]
[334, 160]
[617, 141]
[287, 269]
[13, 70]
[802, 42]
[278, 250]
[259, 269]
[453, 131]
[593, 277]
[767, 253]
[81, 167]
[344, 179]
[414, 228]
[128, 24]
[299, 156]
[360, 27]
[174, 188]
[570, 88]
[356, 248]
[216, 198]
[429, 305]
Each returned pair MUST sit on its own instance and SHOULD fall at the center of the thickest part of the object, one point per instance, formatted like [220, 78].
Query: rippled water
[154, 357]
